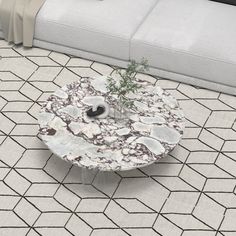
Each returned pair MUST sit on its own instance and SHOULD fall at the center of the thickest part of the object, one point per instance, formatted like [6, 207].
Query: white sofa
[193, 41]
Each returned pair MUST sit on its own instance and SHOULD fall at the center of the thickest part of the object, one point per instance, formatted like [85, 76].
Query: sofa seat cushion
[190, 37]
[102, 27]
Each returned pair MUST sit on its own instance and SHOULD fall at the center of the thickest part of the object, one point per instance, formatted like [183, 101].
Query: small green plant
[127, 83]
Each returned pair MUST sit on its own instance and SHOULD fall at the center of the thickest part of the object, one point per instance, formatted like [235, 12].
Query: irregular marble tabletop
[153, 128]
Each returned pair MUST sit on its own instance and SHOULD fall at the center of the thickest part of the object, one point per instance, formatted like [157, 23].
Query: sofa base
[193, 81]
[80, 53]
[153, 71]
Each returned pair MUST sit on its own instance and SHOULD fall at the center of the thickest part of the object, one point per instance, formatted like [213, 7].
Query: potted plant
[125, 85]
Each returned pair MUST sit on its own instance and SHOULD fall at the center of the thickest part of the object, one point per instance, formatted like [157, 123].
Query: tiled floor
[192, 192]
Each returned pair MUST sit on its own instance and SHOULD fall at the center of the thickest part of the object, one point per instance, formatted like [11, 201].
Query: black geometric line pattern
[191, 192]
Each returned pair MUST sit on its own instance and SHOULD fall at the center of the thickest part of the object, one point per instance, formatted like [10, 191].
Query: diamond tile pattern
[191, 192]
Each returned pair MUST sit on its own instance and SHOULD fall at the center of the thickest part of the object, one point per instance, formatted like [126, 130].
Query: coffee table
[150, 131]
